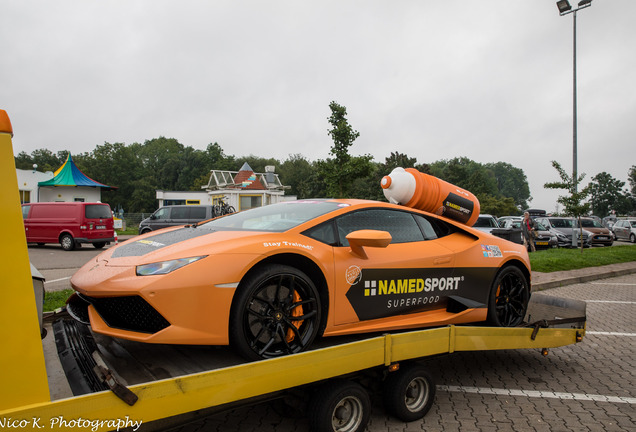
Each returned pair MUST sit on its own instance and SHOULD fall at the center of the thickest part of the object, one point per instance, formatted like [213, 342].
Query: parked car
[176, 215]
[269, 280]
[68, 223]
[600, 234]
[543, 237]
[566, 227]
[625, 230]
[486, 223]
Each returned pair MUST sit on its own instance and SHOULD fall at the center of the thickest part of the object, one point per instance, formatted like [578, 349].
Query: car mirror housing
[369, 238]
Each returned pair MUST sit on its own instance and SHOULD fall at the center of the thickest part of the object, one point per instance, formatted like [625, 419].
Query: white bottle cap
[399, 186]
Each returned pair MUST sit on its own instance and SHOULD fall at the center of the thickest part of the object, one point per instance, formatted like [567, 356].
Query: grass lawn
[55, 299]
[550, 260]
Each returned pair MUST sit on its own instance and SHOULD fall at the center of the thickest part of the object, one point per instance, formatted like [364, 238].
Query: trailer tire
[276, 311]
[409, 393]
[339, 406]
[509, 296]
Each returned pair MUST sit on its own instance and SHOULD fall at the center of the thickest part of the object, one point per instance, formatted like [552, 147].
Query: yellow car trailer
[102, 373]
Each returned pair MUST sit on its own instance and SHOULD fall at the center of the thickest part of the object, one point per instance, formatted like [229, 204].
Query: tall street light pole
[564, 9]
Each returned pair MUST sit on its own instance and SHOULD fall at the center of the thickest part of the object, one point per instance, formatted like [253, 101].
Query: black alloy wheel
[509, 298]
[276, 312]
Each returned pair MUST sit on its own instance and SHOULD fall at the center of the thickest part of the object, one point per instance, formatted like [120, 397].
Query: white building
[28, 183]
[243, 189]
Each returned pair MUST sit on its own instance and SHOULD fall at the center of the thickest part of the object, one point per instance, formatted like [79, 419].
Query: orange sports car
[268, 281]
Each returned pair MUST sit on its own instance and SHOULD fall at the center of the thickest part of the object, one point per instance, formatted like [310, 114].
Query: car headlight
[165, 267]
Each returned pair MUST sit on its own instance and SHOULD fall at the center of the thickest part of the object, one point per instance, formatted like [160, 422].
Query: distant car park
[600, 234]
[566, 227]
[625, 230]
[543, 237]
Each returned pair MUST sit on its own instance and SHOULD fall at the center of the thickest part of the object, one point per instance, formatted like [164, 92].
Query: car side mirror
[369, 238]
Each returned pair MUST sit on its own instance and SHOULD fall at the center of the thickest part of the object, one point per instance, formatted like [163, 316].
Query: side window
[433, 228]
[162, 213]
[400, 224]
[197, 213]
[429, 231]
[25, 211]
[179, 213]
[324, 232]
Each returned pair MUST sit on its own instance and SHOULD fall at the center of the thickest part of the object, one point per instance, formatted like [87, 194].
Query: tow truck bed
[201, 377]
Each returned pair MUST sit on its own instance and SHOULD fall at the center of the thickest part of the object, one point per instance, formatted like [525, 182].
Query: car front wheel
[67, 242]
[276, 311]
[509, 296]
[632, 238]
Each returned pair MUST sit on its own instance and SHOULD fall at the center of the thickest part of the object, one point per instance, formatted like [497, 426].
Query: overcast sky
[490, 80]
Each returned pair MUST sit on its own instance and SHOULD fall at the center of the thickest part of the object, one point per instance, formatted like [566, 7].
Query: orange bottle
[414, 189]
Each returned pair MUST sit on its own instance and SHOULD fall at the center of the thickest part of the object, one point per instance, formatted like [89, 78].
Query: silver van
[176, 215]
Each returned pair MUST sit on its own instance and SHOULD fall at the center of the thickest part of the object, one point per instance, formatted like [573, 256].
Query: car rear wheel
[67, 242]
[276, 311]
[99, 245]
[632, 238]
[509, 298]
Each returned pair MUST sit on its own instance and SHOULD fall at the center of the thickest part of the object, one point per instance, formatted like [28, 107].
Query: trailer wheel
[409, 393]
[339, 406]
[67, 242]
[509, 298]
[276, 312]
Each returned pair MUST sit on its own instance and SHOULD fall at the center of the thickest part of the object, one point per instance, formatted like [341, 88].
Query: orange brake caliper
[298, 311]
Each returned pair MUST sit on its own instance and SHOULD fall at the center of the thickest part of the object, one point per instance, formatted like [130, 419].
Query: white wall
[70, 193]
[28, 181]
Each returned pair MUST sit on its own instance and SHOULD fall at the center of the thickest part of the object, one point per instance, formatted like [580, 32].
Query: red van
[68, 223]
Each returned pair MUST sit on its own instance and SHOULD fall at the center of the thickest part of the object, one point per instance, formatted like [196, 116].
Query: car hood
[178, 243]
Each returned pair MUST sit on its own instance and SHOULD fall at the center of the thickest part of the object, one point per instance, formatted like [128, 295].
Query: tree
[300, 175]
[606, 194]
[573, 203]
[631, 177]
[511, 182]
[43, 158]
[340, 172]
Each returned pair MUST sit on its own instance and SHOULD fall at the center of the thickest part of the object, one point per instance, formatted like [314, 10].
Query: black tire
[67, 242]
[632, 238]
[275, 312]
[230, 210]
[409, 393]
[99, 245]
[144, 231]
[339, 406]
[509, 296]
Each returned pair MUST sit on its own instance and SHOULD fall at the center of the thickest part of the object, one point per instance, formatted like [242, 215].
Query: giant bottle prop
[414, 189]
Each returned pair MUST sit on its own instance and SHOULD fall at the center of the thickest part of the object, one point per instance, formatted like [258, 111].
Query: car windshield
[590, 223]
[485, 222]
[275, 217]
[562, 223]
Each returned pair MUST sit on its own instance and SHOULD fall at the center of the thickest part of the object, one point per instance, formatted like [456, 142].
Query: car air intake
[131, 313]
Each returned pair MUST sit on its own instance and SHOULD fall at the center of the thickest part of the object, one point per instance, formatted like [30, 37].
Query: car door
[411, 274]
[618, 229]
